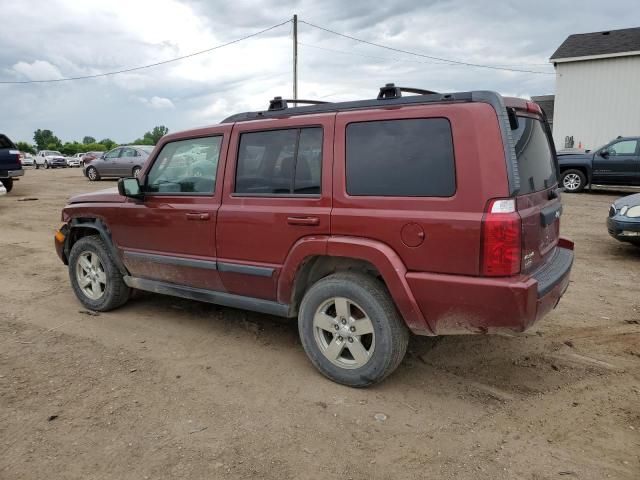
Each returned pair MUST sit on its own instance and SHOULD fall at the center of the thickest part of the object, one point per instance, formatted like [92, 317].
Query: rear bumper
[454, 304]
[11, 173]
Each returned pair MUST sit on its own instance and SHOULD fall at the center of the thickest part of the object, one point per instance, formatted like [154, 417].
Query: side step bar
[209, 296]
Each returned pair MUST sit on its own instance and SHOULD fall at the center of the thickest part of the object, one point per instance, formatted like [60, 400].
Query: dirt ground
[169, 388]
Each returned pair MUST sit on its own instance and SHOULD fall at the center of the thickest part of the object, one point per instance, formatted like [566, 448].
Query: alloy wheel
[571, 181]
[344, 333]
[91, 276]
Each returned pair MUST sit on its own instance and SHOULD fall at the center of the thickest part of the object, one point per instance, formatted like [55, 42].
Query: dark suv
[430, 213]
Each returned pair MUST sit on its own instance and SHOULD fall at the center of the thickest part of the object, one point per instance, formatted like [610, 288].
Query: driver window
[128, 153]
[185, 166]
[113, 153]
[626, 147]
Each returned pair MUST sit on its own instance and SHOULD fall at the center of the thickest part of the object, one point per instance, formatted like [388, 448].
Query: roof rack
[279, 103]
[391, 91]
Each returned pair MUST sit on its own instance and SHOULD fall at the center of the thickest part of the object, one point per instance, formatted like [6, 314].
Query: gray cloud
[47, 38]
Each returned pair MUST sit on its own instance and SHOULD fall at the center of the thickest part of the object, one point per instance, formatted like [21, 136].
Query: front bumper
[456, 304]
[624, 229]
[11, 173]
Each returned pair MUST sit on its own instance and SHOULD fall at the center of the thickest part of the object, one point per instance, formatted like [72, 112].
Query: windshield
[146, 150]
[52, 152]
[536, 164]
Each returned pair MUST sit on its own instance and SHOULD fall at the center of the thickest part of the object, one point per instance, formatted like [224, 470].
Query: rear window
[5, 142]
[400, 158]
[535, 159]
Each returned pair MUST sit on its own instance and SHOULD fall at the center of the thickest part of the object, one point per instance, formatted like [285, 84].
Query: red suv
[430, 213]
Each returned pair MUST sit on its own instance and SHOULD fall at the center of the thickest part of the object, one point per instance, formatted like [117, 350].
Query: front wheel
[94, 276]
[573, 181]
[351, 330]
[46, 164]
[8, 184]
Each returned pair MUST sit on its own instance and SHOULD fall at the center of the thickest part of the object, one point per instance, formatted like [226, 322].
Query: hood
[571, 157]
[629, 201]
[109, 195]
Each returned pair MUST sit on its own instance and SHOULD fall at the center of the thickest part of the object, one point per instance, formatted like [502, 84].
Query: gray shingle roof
[599, 43]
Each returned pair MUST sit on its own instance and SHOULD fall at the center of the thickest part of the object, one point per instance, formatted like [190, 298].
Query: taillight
[534, 108]
[501, 239]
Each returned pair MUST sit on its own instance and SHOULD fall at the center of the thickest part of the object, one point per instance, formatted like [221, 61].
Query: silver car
[119, 162]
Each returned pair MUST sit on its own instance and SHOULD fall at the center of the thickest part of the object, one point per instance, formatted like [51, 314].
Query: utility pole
[295, 57]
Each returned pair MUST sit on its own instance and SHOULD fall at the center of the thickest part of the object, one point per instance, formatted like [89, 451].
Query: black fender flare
[105, 235]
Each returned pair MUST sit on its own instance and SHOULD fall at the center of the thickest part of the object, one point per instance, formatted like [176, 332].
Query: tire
[573, 181]
[8, 184]
[106, 289]
[46, 164]
[92, 174]
[136, 171]
[377, 354]
[36, 165]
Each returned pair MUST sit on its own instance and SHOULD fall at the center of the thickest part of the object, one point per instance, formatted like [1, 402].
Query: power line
[431, 57]
[132, 69]
[392, 59]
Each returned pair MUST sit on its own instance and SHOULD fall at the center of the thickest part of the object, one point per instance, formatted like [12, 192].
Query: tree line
[46, 140]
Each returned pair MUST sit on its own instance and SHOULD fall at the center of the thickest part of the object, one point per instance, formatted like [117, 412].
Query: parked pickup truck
[616, 163]
[10, 165]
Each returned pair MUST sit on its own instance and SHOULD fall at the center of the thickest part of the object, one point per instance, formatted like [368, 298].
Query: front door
[108, 165]
[617, 163]
[277, 191]
[170, 235]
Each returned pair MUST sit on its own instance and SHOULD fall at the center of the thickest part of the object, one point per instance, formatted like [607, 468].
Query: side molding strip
[245, 269]
[170, 260]
[209, 296]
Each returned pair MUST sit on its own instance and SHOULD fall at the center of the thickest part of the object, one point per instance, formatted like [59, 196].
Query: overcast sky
[48, 39]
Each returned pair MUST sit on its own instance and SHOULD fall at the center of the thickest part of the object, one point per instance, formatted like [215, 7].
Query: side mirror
[604, 153]
[129, 187]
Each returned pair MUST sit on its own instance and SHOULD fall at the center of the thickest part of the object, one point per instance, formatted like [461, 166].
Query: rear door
[619, 165]
[277, 191]
[125, 162]
[538, 201]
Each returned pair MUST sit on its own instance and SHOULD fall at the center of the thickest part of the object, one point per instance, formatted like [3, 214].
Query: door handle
[308, 221]
[197, 216]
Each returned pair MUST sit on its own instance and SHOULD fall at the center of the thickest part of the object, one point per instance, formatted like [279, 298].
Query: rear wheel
[94, 276]
[92, 174]
[8, 184]
[351, 329]
[573, 181]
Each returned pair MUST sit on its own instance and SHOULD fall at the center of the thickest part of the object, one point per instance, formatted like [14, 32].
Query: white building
[597, 88]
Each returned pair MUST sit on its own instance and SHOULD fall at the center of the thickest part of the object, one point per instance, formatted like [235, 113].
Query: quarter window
[185, 167]
[280, 162]
[400, 158]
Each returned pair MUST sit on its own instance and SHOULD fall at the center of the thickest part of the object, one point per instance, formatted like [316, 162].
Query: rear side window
[280, 162]
[535, 160]
[400, 158]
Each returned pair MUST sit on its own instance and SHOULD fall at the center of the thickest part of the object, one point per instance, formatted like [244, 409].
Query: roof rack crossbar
[279, 103]
[391, 91]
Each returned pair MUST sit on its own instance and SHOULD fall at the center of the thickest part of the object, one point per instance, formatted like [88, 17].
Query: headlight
[623, 210]
[633, 212]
